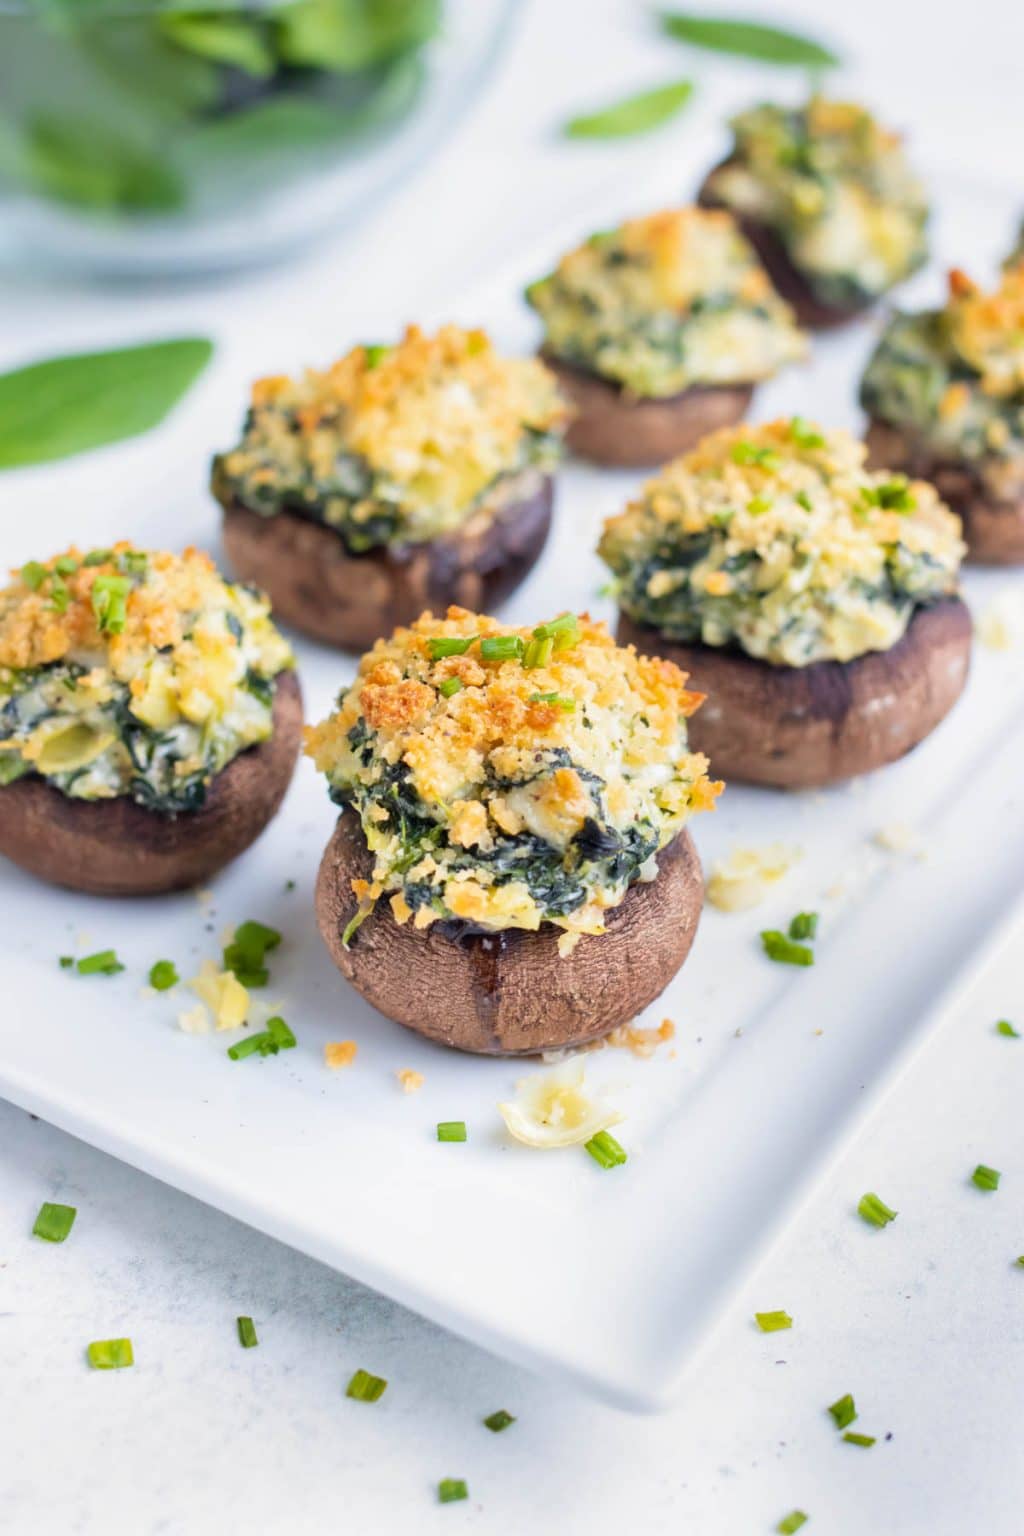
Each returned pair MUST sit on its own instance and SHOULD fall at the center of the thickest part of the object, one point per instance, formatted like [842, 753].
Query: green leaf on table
[225, 39]
[68, 405]
[637, 114]
[749, 39]
[81, 161]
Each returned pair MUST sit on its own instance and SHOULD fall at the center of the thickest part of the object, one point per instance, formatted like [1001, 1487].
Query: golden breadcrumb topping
[777, 539]
[394, 442]
[132, 671]
[987, 329]
[505, 777]
[666, 301]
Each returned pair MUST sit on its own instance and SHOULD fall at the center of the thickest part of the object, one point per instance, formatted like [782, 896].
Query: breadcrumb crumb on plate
[340, 1053]
[409, 1081]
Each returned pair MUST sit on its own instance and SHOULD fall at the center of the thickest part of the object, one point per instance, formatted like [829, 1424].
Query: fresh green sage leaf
[637, 114]
[68, 405]
[749, 39]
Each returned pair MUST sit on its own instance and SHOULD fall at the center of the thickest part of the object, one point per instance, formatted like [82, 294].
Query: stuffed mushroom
[659, 331]
[512, 871]
[403, 477]
[814, 603]
[944, 391]
[827, 197]
[150, 719]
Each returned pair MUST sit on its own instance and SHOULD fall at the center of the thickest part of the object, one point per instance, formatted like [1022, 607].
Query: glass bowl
[158, 138]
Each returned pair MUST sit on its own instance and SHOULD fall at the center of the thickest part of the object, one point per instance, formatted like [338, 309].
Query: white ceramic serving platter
[611, 1278]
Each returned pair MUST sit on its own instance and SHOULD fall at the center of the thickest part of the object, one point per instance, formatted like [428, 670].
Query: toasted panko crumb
[340, 1053]
[641, 1042]
[409, 1081]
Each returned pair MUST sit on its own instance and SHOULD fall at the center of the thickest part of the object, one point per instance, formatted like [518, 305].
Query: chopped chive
[450, 686]
[804, 435]
[276, 1037]
[163, 976]
[804, 926]
[441, 646]
[758, 504]
[803, 500]
[67, 962]
[252, 1045]
[792, 1523]
[1004, 1027]
[754, 453]
[496, 1422]
[561, 699]
[60, 597]
[451, 1489]
[54, 1222]
[502, 648]
[843, 1411]
[109, 596]
[773, 1322]
[874, 1211]
[852, 1438]
[103, 963]
[781, 949]
[97, 557]
[33, 574]
[111, 1354]
[564, 631]
[281, 1034]
[986, 1178]
[65, 566]
[365, 1387]
[604, 1149]
[248, 950]
[538, 653]
[1020, 1261]
[451, 1130]
[374, 353]
[247, 1333]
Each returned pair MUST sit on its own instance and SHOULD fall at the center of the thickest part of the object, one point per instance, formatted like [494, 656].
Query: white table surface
[924, 1323]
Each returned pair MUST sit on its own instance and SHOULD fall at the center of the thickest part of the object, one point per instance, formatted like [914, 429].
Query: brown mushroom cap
[118, 848]
[616, 428]
[811, 312]
[993, 529]
[348, 600]
[804, 727]
[510, 993]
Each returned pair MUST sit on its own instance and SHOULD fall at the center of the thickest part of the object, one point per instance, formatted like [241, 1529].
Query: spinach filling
[558, 881]
[362, 507]
[907, 379]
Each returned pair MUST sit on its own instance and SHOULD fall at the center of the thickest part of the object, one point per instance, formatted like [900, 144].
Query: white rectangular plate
[615, 1277]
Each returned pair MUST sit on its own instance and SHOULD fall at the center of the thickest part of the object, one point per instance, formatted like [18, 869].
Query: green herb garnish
[748, 39]
[804, 926]
[496, 1422]
[450, 686]
[163, 976]
[755, 453]
[33, 574]
[111, 1354]
[636, 114]
[54, 1222]
[758, 504]
[773, 1322]
[538, 653]
[604, 1149]
[843, 1411]
[109, 597]
[502, 648]
[67, 962]
[782, 949]
[276, 1037]
[1004, 1027]
[852, 1438]
[247, 1333]
[564, 631]
[451, 1489]
[440, 646]
[365, 1387]
[103, 963]
[986, 1178]
[69, 404]
[451, 1130]
[874, 1211]
[562, 700]
[247, 951]
[792, 1523]
[804, 434]
[374, 353]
